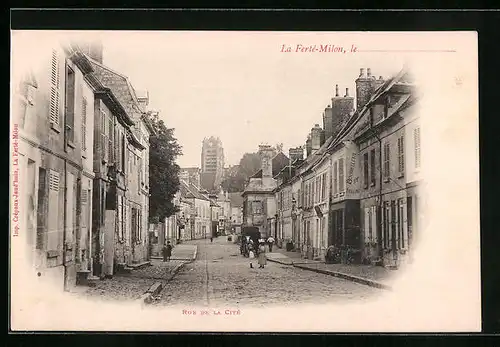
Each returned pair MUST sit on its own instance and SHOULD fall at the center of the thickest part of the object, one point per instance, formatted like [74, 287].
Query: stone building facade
[259, 196]
[367, 163]
[53, 122]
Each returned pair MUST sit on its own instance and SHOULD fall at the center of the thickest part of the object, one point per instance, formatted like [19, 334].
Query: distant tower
[212, 163]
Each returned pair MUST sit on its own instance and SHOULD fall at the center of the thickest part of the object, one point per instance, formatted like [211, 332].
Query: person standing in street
[262, 255]
[167, 251]
[270, 242]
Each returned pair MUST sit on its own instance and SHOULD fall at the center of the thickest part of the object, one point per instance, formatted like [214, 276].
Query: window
[111, 148]
[54, 90]
[335, 178]
[84, 125]
[41, 208]
[70, 105]
[135, 226]
[123, 150]
[53, 213]
[386, 161]
[104, 137]
[323, 185]
[367, 224]
[365, 169]
[372, 167]
[416, 139]
[401, 225]
[394, 223]
[257, 207]
[341, 175]
[401, 155]
[386, 225]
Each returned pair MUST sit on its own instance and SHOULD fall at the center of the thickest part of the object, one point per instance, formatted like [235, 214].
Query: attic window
[386, 105]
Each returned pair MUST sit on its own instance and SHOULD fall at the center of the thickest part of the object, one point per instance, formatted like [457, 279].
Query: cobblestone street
[221, 276]
[132, 286]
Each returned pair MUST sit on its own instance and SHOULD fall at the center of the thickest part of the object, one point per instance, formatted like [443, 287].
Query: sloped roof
[235, 199]
[255, 185]
[279, 161]
[190, 191]
[354, 120]
[121, 87]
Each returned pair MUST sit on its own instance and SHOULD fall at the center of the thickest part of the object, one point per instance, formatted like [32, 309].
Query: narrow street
[221, 276]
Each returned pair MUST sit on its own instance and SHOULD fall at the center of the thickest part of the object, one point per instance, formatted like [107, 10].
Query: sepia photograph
[244, 181]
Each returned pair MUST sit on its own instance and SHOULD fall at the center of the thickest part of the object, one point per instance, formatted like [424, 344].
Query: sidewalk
[134, 285]
[182, 252]
[374, 276]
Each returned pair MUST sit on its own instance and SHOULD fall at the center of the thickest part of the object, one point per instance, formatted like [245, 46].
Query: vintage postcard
[244, 181]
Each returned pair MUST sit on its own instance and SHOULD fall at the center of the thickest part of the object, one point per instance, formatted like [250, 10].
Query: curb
[342, 275]
[147, 297]
[157, 287]
[278, 261]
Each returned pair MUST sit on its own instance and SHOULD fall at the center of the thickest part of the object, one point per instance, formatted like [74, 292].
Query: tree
[163, 171]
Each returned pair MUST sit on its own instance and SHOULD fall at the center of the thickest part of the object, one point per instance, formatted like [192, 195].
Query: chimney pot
[380, 78]
[346, 92]
[369, 72]
[361, 72]
[336, 90]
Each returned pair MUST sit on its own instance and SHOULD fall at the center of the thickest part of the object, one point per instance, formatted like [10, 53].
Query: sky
[238, 86]
[241, 86]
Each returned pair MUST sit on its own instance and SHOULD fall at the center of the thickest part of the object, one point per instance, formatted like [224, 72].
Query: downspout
[380, 205]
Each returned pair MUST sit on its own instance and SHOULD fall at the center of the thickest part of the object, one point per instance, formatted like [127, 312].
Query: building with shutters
[388, 137]
[54, 117]
[360, 183]
[124, 151]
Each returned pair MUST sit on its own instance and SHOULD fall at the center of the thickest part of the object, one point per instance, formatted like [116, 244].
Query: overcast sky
[238, 85]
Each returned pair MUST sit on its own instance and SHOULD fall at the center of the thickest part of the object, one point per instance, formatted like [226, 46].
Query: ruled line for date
[406, 50]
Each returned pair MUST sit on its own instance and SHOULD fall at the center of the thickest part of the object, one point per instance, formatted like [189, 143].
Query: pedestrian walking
[270, 242]
[262, 255]
[211, 239]
[167, 251]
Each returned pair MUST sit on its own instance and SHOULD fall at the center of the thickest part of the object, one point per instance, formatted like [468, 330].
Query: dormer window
[386, 105]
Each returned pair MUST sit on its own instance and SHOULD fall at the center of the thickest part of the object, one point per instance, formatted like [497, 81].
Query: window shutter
[416, 138]
[111, 155]
[54, 89]
[84, 124]
[53, 213]
[374, 221]
[405, 225]
[372, 167]
[365, 169]
[366, 226]
[341, 175]
[402, 169]
[335, 190]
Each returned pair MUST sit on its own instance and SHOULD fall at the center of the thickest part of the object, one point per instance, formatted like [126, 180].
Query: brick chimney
[92, 48]
[365, 86]
[296, 153]
[308, 146]
[316, 137]
[143, 99]
[336, 115]
[327, 121]
[266, 153]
